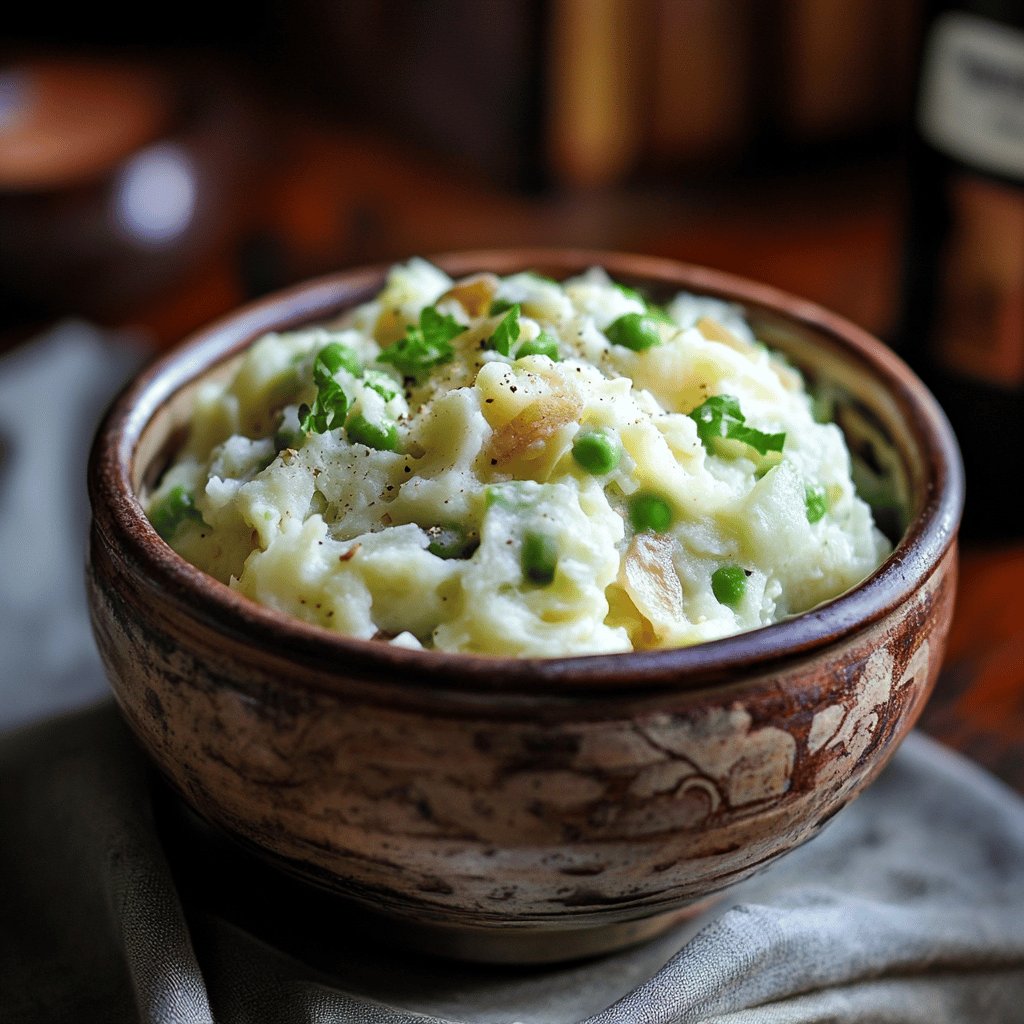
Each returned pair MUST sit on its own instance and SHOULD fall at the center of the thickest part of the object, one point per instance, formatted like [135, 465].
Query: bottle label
[972, 93]
[972, 109]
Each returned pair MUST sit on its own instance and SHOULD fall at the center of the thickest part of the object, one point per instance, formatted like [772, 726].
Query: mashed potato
[517, 466]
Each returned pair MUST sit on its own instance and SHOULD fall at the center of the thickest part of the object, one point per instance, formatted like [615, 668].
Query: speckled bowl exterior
[494, 796]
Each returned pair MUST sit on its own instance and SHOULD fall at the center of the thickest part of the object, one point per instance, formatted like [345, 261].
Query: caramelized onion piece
[534, 426]
[390, 326]
[475, 294]
[714, 331]
[649, 577]
[788, 377]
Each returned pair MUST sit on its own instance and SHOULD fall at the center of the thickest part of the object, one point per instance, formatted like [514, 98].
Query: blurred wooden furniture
[335, 199]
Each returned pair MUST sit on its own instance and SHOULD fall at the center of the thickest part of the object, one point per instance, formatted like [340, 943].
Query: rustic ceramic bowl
[525, 809]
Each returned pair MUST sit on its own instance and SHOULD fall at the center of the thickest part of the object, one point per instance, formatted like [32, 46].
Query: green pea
[172, 510]
[649, 511]
[595, 452]
[729, 584]
[816, 503]
[452, 541]
[542, 345]
[539, 557]
[636, 331]
[382, 436]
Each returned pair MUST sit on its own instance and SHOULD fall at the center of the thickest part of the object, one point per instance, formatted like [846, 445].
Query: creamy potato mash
[517, 466]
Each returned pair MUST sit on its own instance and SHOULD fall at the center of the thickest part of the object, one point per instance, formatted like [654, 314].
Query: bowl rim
[120, 521]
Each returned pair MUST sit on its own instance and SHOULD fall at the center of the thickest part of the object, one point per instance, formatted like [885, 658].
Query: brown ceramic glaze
[520, 807]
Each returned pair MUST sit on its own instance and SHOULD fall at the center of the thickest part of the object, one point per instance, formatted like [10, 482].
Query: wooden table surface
[978, 704]
[339, 200]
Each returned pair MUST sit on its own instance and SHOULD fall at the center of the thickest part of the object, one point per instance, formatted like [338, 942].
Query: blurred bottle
[962, 321]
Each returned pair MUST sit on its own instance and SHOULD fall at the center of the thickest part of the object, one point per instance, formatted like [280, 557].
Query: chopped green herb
[539, 557]
[425, 346]
[382, 436]
[452, 541]
[331, 403]
[595, 452]
[380, 382]
[816, 503]
[542, 345]
[506, 332]
[649, 511]
[720, 417]
[335, 357]
[172, 510]
[729, 584]
[500, 306]
[635, 331]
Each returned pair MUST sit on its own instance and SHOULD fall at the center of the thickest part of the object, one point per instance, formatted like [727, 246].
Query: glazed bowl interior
[895, 430]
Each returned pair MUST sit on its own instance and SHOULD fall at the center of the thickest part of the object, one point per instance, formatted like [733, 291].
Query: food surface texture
[519, 466]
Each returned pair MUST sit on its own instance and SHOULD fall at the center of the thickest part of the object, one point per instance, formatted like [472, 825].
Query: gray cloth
[51, 394]
[910, 907]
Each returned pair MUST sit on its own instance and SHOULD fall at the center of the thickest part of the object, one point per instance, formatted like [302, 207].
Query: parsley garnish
[172, 510]
[506, 332]
[816, 503]
[425, 346]
[721, 417]
[338, 357]
[380, 382]
[331, 403]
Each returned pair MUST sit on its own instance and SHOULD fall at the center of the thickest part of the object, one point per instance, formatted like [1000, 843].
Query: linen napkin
[909, 907]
